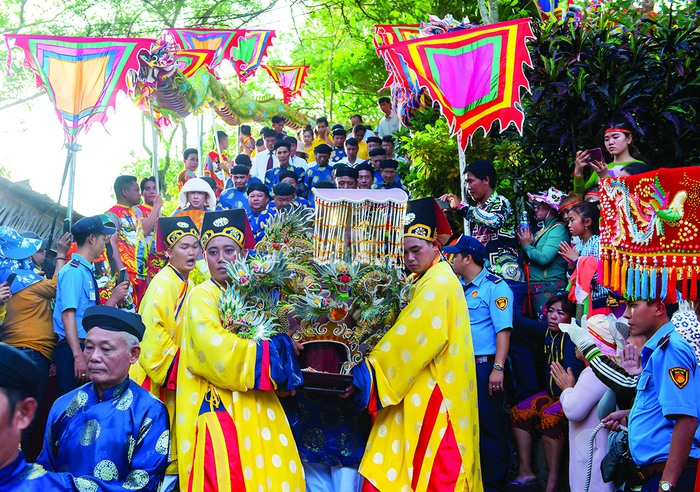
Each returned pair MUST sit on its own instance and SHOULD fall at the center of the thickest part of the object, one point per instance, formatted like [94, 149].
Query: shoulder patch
[493, 278]
[74, 262]
[502, 303]
[679, 376]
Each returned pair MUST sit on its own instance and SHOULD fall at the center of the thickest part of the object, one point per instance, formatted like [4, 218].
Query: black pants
[493, 441]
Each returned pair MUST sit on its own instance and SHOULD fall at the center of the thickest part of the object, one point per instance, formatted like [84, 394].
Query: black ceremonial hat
[425, 220]
[113, 319]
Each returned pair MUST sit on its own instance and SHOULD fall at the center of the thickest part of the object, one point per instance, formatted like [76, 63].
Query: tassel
[693, 284]
[664, 284]
[645, 284]
[637, 280]
[673, 285]
[615, 275]
[652, 283]
[630, 282]
[684, 283]
[672, 280]
[606, 272]
[623, 278]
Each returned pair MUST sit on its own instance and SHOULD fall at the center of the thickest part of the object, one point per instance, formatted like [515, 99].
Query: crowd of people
[516, 361]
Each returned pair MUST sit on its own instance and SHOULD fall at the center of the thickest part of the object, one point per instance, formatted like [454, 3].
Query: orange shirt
[29, 320]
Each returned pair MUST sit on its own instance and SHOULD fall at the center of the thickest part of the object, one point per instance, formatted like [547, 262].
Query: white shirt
[389, 125]
[368, 133]
[259, 167]
[299, 162]
[345, 160]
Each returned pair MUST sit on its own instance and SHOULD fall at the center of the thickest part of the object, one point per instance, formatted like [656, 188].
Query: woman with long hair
[618, 140]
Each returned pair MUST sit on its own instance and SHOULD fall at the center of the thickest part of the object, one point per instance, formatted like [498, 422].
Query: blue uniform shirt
[668, 386]
[76, 289]
[490, 302]
[232, 198]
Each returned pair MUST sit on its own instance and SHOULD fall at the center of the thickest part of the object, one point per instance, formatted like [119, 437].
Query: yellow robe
[213, 357]
[162, 310]
[425, 379]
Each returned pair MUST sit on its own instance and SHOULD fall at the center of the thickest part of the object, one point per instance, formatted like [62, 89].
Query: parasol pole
[216, 140]
[462, 168]
[73, 148]
[154, 165]
[200, 143]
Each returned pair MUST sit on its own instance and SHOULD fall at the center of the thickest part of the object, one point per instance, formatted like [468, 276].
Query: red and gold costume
[132, 247]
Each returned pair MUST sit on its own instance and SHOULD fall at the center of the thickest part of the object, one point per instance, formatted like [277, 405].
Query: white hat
[551, 197]
[196, 184]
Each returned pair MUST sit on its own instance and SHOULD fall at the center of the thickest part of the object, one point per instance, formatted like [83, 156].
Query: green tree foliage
[335, 39]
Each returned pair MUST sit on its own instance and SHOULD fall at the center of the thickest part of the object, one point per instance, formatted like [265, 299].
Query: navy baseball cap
[91, 225]
[467, 245]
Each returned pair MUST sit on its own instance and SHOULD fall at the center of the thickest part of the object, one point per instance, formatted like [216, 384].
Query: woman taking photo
[618, 143]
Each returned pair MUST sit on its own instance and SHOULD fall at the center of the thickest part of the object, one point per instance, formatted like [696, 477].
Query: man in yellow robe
[232, 431]
[421, 378]
[162, 310]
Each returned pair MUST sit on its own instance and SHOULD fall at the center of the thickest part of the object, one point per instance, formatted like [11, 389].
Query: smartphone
[444, 205]
[595, 155]
[11, 279]
[66, 226]
[122, 276]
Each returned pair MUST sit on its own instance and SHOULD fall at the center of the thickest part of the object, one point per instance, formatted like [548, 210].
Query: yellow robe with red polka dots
[214, 360]
[162, 310]
[426, 435]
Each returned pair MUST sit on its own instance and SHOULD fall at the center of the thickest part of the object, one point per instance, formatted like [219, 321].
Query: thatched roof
[24, 209]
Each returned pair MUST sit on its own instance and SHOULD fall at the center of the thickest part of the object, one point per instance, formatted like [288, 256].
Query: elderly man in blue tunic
[19, 384]
[110, 432]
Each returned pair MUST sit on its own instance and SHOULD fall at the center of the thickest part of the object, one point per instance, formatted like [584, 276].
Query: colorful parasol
[81, 76]
[475, 74]
[220, 41]
[649, 234]
[247, 55]
[288, 78]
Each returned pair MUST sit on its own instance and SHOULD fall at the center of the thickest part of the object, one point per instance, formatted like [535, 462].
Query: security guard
[76, 290]
[663, 423]
[490, 302]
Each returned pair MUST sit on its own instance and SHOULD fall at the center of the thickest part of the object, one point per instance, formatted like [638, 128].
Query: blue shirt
[317, 174]
[668, 386]
[21, 476]
[257, 223]
[327, 429]
[251, 180]
[338, 154]
[232, 198]
[490, 302]
[272, 177]
[76, 289]
[120, 441]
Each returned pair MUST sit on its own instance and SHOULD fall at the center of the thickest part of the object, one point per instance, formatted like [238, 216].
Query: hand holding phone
[10, 279]
[122, 277]
[595, 155]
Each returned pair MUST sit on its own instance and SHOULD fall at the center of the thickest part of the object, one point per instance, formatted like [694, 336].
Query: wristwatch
[498, 367]
[665, 486]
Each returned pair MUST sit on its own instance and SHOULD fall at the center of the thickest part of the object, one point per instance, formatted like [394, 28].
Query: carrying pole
[154, 164]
